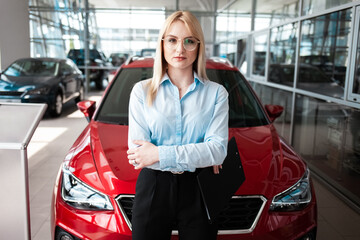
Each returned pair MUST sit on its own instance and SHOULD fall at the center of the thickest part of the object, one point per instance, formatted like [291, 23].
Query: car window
[71, 64]
[76, 54]
[114, 108]
[32, 67]
[66, 68]
[244, 110]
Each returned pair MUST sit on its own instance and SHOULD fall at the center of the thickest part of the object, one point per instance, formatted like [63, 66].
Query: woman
[178, 123]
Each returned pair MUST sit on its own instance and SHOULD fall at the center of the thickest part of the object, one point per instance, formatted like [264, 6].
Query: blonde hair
[160, 64]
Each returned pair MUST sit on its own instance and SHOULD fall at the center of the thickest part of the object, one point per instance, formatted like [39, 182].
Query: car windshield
[80, 54]
[244, 109]
[32, 68]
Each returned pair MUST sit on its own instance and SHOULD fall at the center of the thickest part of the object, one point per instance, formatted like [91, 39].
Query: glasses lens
[190, 44]
[170, 42]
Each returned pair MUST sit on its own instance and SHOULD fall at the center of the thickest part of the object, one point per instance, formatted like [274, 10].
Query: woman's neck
[181, 78]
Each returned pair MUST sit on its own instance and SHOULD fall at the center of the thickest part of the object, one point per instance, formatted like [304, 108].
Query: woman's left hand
[217, 168]
[144, 155]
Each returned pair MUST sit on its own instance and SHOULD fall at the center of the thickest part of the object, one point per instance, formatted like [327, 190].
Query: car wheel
[57, 107]
[62, 235]
[81, 94]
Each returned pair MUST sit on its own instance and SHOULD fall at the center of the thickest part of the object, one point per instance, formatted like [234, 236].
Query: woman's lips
[179, 58]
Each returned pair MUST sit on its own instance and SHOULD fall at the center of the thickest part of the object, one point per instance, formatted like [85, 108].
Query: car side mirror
[87, 107]
[274, 111]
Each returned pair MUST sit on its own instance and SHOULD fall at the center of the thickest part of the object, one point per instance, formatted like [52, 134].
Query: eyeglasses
[189, 43]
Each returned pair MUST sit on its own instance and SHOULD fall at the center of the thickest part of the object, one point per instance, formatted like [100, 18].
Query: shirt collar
[196, 77]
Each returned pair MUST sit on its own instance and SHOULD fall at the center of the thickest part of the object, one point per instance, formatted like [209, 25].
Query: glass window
[324, 49]
[311, 6]
[34, 27]
[282, 54]
[55, 48]
[356, 82]
[269, 95]
[37, 48]
[227, 50]
[327, 136]
[259, 54]
[287, 11]
[58, 30]
[232, 24]
[269, 13]
[242, 62]
[133, 34]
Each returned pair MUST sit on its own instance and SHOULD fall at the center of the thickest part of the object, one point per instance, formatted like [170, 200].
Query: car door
[69, 79]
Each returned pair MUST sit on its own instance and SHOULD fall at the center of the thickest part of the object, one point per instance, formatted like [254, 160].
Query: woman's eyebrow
[170, 35]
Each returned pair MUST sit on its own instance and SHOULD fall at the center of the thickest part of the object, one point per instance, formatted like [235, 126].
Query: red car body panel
[98, 158]
[269, 171]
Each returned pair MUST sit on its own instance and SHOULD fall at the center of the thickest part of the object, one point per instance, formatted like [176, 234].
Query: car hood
[99, 158]
[11, 83]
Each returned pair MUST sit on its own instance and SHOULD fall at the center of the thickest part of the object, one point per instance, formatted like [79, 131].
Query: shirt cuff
[167, 157]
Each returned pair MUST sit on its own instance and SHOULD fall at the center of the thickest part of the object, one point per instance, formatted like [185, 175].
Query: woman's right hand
[144, 155]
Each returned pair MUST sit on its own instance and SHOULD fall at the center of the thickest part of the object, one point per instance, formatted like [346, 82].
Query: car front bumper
[83, 224]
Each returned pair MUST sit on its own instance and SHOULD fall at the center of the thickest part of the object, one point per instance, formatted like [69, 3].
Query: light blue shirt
[191, 132]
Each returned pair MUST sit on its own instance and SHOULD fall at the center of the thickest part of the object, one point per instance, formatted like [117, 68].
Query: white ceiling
[194, 5]
[242, 6]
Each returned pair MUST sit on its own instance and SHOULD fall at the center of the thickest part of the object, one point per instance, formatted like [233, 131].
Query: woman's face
[179, 57]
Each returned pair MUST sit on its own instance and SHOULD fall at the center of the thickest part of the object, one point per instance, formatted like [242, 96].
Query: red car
[95, 187]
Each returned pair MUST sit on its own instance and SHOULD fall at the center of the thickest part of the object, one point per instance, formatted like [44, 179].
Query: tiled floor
[54, 137]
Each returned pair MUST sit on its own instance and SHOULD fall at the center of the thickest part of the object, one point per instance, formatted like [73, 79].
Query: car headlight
[39, 91]
[79, 195]
[294, 198]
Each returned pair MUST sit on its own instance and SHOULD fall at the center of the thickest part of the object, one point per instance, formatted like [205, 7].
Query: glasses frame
[183, 43]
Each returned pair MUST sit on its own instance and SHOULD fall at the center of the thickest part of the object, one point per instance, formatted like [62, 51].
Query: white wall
[14, 31]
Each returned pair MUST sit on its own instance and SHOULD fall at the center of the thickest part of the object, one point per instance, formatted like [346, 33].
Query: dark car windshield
[32, 68]
[244, 108]
[80, 54]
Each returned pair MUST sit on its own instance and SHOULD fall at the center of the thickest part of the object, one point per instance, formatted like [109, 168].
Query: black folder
[217, 189]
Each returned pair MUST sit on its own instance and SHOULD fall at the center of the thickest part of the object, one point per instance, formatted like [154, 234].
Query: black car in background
[98, 64]
[117, 59]
[42, 80]
[148, 52]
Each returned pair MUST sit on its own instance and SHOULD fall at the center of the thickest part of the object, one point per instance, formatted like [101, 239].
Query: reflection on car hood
[98, 157]
[11, 83]
[270, 165]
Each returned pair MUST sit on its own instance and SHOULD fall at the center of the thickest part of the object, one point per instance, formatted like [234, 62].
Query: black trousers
[164, 200]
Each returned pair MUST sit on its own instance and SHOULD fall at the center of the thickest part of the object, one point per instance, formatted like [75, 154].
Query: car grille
[240, 216]
[11, 93]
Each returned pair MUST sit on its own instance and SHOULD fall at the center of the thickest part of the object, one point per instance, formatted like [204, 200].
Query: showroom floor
[54, 137]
